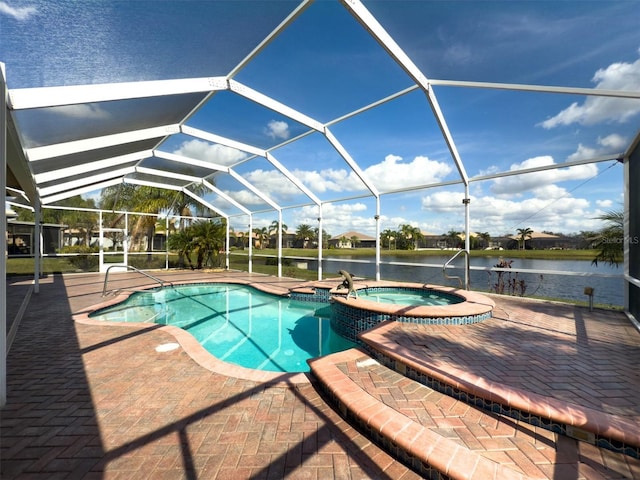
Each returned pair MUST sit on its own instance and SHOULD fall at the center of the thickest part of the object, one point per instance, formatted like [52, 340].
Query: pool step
[441, 437]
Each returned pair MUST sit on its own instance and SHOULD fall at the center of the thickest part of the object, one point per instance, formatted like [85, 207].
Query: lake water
[606, 280]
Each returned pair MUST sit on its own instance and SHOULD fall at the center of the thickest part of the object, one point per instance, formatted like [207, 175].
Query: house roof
[536, 236]
[350, 235]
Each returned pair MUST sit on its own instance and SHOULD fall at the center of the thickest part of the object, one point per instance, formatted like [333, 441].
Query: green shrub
[83, 260]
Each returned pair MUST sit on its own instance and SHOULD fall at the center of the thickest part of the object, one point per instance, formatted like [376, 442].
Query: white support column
[166, 242]
[627, 238]
[3, 239]
[320, 242]
[279, 243]
[37, 226]
[100, 243]
[125, 240]
[250, 244]
[227, 248]
[377, 218]
[467, 234]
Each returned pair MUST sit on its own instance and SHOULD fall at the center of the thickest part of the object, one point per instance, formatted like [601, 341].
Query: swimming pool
[237, 323]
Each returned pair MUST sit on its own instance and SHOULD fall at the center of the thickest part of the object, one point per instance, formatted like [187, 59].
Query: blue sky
[325, 65]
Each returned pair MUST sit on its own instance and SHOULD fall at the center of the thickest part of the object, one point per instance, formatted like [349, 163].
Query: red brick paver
[98, 401]
[529, 450]
[94, 401]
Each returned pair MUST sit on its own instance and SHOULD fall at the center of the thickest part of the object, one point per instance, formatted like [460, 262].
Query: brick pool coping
[473, 304]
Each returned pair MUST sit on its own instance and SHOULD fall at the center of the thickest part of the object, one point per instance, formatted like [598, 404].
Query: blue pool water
[408, 296]
[238, 324]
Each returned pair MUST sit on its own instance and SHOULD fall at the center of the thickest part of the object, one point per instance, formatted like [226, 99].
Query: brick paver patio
[98, 401]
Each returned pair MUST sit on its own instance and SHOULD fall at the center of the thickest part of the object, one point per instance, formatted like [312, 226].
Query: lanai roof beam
[79, 183]
[95, 143]
[227, 198]
[88, 167]
[42, 97]
[369, 22]
[80, 191]
[598, 92]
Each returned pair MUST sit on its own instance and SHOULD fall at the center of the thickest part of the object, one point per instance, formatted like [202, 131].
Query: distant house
[288, 239]
[20, 238]
[431, 240]
[241, 240]
[352, 240]
[542, 241]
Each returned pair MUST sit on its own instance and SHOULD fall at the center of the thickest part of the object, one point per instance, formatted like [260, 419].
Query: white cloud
[500, 215]
[443, 202]
[460, 54]
[244, 197]
[594, 110]
[214, 153]
[613, 143]
[332, 180]
[519, 184]
[273, 184]
[583, 153]
[604, 203]
[277, 129]
[337, 218]
[19, 13]
[393, 174]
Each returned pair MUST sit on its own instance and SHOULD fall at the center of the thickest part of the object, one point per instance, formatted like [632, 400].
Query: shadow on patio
[93, 401]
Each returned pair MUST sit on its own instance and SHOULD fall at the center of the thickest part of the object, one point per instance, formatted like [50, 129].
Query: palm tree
[386, 236]
[181, 242]
[417, 236]
[262, 234]
[411, 235]
[207, 240]
[135, 198]
[275, 226]
[304, 233]
[186, 206]
[485, 238]
[325, 236]
[523, 234]
[610, 240]
[453, 236]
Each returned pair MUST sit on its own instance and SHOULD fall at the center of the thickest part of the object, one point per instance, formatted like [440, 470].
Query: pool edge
[190, 345]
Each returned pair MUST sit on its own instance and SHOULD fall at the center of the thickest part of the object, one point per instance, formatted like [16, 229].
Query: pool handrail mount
[451, 277]
[129, 267]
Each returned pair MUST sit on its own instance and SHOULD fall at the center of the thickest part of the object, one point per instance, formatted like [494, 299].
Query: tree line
[207, 237]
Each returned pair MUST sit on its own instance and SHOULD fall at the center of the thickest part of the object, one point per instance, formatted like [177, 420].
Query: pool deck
[88, 400]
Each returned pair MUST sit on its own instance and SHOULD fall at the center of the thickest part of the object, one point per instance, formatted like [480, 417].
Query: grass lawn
[239, 261]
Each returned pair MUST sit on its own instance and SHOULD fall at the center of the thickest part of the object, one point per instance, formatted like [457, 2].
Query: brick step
[441, 437]
[597, 427]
